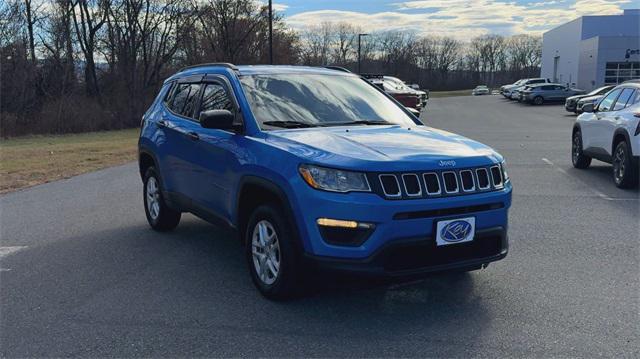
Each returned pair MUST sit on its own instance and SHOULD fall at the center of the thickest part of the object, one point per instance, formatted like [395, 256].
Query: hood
[383, 147]
[590, 98]
[576, 97]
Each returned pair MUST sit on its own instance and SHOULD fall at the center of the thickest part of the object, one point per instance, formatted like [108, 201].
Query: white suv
[610, 132]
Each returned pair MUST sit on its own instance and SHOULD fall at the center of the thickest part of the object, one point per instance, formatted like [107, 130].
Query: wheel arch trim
[276, 190]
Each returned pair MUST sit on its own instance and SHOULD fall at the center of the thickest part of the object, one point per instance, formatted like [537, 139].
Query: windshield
[309, 100]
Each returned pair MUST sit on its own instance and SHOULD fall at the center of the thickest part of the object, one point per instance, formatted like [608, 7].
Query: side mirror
[218, 119]
[588, 107]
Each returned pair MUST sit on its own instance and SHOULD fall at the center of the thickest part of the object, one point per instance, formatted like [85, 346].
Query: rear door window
[192, 99]
[178, 98]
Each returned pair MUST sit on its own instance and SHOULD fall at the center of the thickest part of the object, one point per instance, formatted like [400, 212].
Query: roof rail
[372, 76]
[219, 64]
[337, 68]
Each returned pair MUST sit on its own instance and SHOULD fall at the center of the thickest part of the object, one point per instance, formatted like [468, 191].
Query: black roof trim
[219, 64]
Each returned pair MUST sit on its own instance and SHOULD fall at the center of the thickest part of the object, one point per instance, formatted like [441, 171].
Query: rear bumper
[416, 256]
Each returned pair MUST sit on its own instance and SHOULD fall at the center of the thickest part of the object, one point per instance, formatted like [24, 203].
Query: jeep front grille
[438, 183]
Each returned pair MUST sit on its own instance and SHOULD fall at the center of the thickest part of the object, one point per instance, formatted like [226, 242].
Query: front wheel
[578, 158]
[271, 254]
[625, 171]
[159, 215]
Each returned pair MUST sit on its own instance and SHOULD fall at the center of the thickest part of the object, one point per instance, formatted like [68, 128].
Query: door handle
[162, 123]
[193, 136]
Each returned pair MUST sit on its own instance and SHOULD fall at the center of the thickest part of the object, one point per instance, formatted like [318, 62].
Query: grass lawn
[28, 161]
[436, 94]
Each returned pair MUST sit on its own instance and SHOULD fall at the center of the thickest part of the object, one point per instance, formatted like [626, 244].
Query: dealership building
[592, 51]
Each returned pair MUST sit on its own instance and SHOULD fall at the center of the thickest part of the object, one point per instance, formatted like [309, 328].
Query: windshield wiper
[359, 122]
[289, 124]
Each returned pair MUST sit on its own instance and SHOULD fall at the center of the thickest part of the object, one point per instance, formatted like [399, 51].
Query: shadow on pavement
[195, 279]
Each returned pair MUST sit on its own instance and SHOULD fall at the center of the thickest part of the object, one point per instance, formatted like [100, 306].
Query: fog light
[328, 222]
[344, 233]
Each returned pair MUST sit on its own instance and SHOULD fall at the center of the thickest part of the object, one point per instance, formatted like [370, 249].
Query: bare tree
[88, 18]
[345, 44]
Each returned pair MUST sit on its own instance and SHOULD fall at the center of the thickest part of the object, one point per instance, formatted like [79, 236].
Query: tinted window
[559, 87]
[605, 104]
[215, 97]
[536, 81]
[547, 88]
[190, 104]
[179, 98]
[625, 95]
[314, 99]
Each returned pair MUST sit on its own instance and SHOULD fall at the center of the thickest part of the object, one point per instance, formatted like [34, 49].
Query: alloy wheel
[265, 250]
[619, 164]
[576, 147]
[153, 198]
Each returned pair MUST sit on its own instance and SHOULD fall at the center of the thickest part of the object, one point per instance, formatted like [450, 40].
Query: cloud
[276, 7]
[464, 19]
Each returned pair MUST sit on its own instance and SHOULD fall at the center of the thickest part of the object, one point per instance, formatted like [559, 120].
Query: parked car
[316, 167]
[480, 90]
[516, 91]
[571, 103]
[610, 132]
[507, 89]
[541, 93]
[402, 86]
[408, 98]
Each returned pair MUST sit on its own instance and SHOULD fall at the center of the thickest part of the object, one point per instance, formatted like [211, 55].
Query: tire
[578, 158]
[538, 100]
[160, 217]
[625, 171]
[272, 257]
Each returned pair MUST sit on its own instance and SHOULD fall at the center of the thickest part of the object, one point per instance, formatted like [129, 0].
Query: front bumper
[415, 256]
[394, 221]
[571, 106]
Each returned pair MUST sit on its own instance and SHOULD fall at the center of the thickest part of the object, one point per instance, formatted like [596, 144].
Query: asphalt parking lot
[81, 274]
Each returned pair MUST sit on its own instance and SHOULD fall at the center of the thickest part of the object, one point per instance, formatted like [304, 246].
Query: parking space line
[594, 191]
[6, 251]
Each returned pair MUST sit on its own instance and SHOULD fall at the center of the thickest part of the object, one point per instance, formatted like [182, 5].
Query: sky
[457, 18]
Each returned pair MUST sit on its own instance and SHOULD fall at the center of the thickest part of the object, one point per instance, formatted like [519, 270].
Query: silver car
[480, 90]
[539, 94]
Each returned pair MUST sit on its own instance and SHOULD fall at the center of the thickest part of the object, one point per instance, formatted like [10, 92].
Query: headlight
[505, 175]
[334, 180]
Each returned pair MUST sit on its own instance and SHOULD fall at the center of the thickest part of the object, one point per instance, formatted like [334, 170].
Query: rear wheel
[578, 158]
[270, 252]
[159, 215]
[625, 171]
[538, 100]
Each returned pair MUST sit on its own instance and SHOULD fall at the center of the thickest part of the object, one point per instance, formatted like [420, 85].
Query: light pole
[359, 42]
[270, 32]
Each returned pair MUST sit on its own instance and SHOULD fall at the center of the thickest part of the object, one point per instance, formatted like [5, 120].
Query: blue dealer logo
[455, 231]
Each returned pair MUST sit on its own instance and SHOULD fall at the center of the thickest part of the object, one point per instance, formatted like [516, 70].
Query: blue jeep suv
[316, 167]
